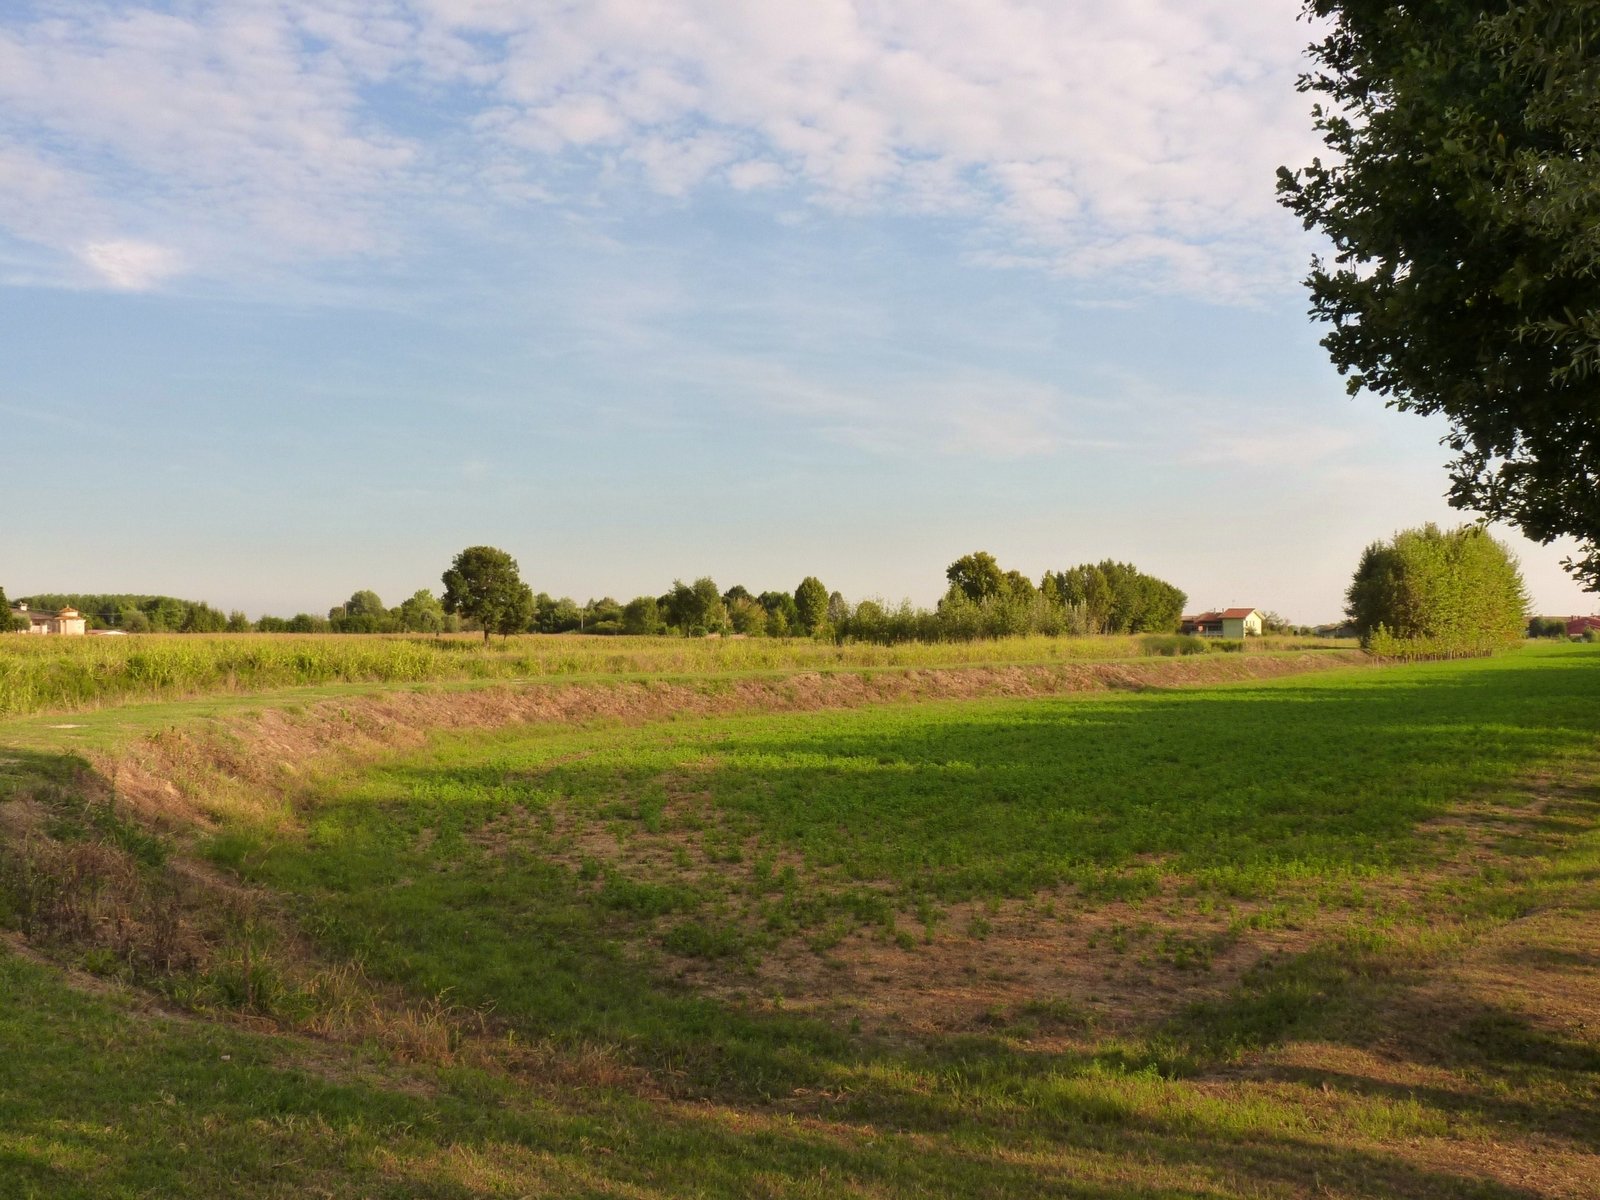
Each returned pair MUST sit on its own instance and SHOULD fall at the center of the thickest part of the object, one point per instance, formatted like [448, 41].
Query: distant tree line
[364, 612]
[484, 592]
[1556, 627]
[142, 614]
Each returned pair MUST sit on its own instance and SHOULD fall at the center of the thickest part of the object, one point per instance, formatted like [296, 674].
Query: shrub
[1172, 645]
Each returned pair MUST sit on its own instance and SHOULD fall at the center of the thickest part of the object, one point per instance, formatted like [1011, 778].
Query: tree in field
[602, 616]
[1097, 599]
[810, 605]
[1117, 597]
[642, 615]
[783, 617]
[838, 610]
[363, 613]
[710, 612]
[695, 609]
[1451, 592]
[1546, 627]
[483, 585]
[365, 603]
[978, 576]
[202, 618]
[746, 616]
[1017, 585]
[1463, 203]
[556, 616]
[677, 606]
[8, 622]
[1273, 622]
[420, 613]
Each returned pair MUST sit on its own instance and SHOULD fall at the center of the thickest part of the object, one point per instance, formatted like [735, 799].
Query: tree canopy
[484, 585]
[810, 604]
[1118, 597]
[978, 575]
[642, 615]
[1437, 592]
[1463, 204]
[134, 613]
[695, 608]
[8, 623]
[421, 613]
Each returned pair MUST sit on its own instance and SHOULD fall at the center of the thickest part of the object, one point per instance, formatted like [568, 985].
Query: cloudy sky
[303, 296]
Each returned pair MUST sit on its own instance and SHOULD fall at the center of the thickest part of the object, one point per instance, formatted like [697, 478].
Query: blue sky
[302, 297]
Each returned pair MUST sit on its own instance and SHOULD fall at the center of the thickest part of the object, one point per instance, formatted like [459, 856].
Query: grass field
[47, 674]
[1325, 935]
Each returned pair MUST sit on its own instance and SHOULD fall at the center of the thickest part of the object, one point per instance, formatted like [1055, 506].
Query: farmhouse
[68, 622]
[1225, 623]
[1578, 626]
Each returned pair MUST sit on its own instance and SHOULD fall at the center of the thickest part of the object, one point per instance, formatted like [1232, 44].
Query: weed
[701, 939]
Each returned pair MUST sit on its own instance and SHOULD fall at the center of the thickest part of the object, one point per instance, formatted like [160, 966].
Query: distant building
[1578, 626]
[1225, 623]
[68, 622]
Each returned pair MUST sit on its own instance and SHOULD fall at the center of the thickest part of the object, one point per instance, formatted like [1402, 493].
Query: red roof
[1579, 626]
[1235, 614]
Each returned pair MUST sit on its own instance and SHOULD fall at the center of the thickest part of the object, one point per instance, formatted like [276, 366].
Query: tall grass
[63, 674]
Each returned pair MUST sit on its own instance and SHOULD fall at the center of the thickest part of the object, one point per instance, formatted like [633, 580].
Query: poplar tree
[811, 604]
[1443, 592]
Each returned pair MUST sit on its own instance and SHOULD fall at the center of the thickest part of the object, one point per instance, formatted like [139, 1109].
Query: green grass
[549, 886]
[458, 868]
[51, 674]
[99, 1101]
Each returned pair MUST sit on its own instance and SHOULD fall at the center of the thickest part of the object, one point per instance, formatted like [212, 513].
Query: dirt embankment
[239, 766]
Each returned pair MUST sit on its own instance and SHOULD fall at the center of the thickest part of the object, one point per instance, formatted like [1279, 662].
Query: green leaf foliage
[1437, 594]
[695, 609]
[8, 623]
[484, 585]
[977, 575]
[1118, 597]
[135, 614]
[810, 604]
[1462, 199]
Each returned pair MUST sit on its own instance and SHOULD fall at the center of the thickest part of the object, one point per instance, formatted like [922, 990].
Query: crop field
[47, 674]
[1327, 934]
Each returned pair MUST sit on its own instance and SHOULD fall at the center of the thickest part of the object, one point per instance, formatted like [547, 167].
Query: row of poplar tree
[982, 600]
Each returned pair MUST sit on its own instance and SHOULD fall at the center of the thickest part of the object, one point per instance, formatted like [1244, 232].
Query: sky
[301, 297]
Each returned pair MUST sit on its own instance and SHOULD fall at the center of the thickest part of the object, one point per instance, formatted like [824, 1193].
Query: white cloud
[959, 414]
[755, 173]
[1294, 448]
[1132, 142]
[227, 130]
[131, 266]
